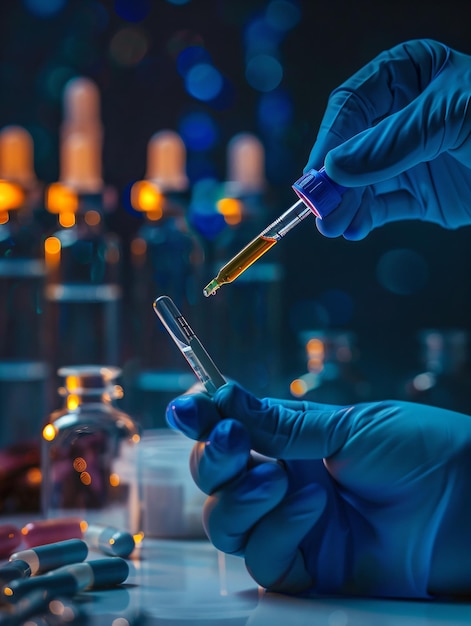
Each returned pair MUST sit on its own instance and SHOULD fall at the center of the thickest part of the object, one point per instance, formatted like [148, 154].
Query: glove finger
[302, 405]
[386, 84]
[337, 222]
[284, 433]
[221, 457]
[376, 210]
[398, 143]
[231, 513]
[194, 414]
[272, 554]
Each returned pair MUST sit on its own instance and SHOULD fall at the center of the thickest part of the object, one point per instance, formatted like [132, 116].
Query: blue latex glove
[398, 131]
[369, 499]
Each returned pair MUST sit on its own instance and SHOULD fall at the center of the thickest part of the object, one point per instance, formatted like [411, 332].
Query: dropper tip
[211, 288]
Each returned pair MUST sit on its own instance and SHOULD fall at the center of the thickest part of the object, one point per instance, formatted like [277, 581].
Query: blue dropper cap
[319, 192]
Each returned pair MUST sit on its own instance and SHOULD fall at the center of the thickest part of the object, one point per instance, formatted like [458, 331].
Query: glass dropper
[318, 194]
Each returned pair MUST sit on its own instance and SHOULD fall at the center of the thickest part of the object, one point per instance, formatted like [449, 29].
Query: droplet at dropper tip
[211, 288]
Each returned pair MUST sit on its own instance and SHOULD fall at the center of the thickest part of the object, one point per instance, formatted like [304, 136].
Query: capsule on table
[70, 579]
[41, 532]
[13, 570]
[44, 558]
[109, 540]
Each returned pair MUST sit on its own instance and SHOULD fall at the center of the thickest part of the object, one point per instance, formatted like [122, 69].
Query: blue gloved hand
[369, 499]
[398, 132]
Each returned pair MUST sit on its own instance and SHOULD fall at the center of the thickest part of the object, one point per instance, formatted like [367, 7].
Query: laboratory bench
[189, 582]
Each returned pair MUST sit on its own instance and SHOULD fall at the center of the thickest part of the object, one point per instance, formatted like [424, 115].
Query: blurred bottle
[166, 260]
[247, 314]
[443, 378]
[83, 291]
[89, 453]
[333, 374]
[23, 368]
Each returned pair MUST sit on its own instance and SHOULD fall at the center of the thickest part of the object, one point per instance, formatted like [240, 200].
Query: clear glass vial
[89, 453]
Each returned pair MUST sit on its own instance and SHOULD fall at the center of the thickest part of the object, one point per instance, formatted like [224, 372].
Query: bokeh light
[402, 271]
[52, 79]
[338, 306]
[275, 111]
[44, 8]
[264, 72]
[260, 37]
[178, 2]
[191, 56]
[283, 15]
[203, 214]
[198, 131]
[128, 46]
[132, 10]
[203, 82]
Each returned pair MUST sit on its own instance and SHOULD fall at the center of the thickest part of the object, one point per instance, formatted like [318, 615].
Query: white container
[172, 503]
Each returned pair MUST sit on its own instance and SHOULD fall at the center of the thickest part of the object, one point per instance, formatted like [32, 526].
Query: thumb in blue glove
[368, 499]
[398, 133]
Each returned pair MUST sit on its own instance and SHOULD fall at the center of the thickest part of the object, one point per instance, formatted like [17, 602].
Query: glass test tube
[189, 344]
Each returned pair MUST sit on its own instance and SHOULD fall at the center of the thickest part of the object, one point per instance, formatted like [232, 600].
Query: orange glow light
[146, 197]
[83, 526]
[231, 209]
[138, 537]
[52, 252]
[49, 432]
[67, 219]
[114, 480]
[92, 218]
[60, 199]
[136, 438]
[4, 217]
[72, 383]
[11, 196]
[298, 387]
[315, 348]
[73, 401]
[33, 476]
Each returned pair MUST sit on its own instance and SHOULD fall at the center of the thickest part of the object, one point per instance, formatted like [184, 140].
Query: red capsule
[43, 532]
[10, 539]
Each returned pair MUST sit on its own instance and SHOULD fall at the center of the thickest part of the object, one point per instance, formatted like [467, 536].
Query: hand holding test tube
[189, 344]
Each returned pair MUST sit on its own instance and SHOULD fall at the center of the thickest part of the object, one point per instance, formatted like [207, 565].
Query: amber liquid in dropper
[248, 255]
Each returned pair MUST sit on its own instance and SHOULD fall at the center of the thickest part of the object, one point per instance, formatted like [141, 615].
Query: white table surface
[187, 583]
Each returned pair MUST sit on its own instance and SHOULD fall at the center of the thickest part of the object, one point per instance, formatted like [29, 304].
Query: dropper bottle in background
[89, 453]
[165, 259]
[23, 368]
[83, 291]
[247, 318]
[443, 374]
